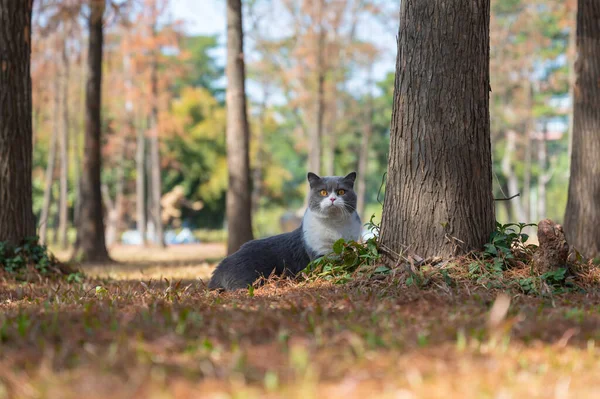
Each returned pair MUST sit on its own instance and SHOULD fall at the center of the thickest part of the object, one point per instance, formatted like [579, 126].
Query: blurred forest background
[325, 72]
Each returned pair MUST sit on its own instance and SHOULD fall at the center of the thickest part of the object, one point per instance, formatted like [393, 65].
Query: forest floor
[148, 327]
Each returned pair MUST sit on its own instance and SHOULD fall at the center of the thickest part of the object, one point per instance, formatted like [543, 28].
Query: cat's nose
[332, 199]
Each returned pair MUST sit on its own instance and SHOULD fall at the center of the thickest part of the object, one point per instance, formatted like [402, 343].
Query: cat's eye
[341, 192]
[323, 193]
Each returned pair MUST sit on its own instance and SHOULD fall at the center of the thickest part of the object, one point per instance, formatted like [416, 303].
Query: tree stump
[553, 247]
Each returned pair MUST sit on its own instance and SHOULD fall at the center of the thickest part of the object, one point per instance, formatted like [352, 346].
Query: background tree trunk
[512, 186]
[92, 245]
[115, 208]
[239, 219]
[439, 186]
[544, 175]
[64, 152]
[363, 156]
[257, 173]
[316, 139]
[44, 216]
[582, 218]
[155, 159]
[16, 215]
[140, 184]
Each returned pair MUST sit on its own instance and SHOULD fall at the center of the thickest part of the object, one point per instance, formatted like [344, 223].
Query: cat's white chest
[320, 234]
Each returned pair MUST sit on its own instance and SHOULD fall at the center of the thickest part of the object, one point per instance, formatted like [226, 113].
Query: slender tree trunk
[92, 245]
[150, 215]
[363, 156]
[64, 153]
[582, 216]
[439, 186]
[76, 153]
[44, 217]
[140, 183]
[511, 178]
[16, 213]
[331, 137]
[115, 208]
[510, 209]
[155, 160]
[529, 126]
[239, 207]
[257, 175]
[543, 178]
[316, 140]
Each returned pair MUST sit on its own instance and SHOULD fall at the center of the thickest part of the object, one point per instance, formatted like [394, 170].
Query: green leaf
[491, 249]
[338, 246]
[382, 270]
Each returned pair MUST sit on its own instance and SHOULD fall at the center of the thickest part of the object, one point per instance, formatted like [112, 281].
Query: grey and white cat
[331, 215]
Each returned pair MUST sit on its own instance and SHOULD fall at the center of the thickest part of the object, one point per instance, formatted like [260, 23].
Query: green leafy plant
[348, 258]
[31, 256]
[502, 241]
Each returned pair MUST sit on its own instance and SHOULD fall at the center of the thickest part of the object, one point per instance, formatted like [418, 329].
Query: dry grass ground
[128, 333]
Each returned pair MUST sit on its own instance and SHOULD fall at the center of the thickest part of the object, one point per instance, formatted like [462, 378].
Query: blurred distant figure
[171, 204]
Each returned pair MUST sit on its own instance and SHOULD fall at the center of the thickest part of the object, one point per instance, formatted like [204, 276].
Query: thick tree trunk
[16, 215]
[239, 216]
[64, 153]
[582, 217]
[44, 216]
[439, 186]
[92, 245]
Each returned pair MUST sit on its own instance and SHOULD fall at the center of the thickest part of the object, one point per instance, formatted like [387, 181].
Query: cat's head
[332, 196]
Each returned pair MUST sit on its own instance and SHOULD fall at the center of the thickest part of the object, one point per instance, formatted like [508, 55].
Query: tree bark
[439, 186]
[16, 215]
[582, 218]
[64, 152]
[44, 216]
[239, 216]
[91, 241]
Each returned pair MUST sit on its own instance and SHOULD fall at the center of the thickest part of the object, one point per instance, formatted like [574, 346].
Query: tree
[438, 197]
[45, 215]
[64, 148]
[582, 216]
[239, 219]
[16, 214]
[91, 241]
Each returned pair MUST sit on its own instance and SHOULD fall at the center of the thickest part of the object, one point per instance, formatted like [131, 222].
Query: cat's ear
[313, 178]
[351, 177]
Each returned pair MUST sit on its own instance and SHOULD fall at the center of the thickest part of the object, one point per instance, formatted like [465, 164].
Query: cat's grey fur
[324, 222]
